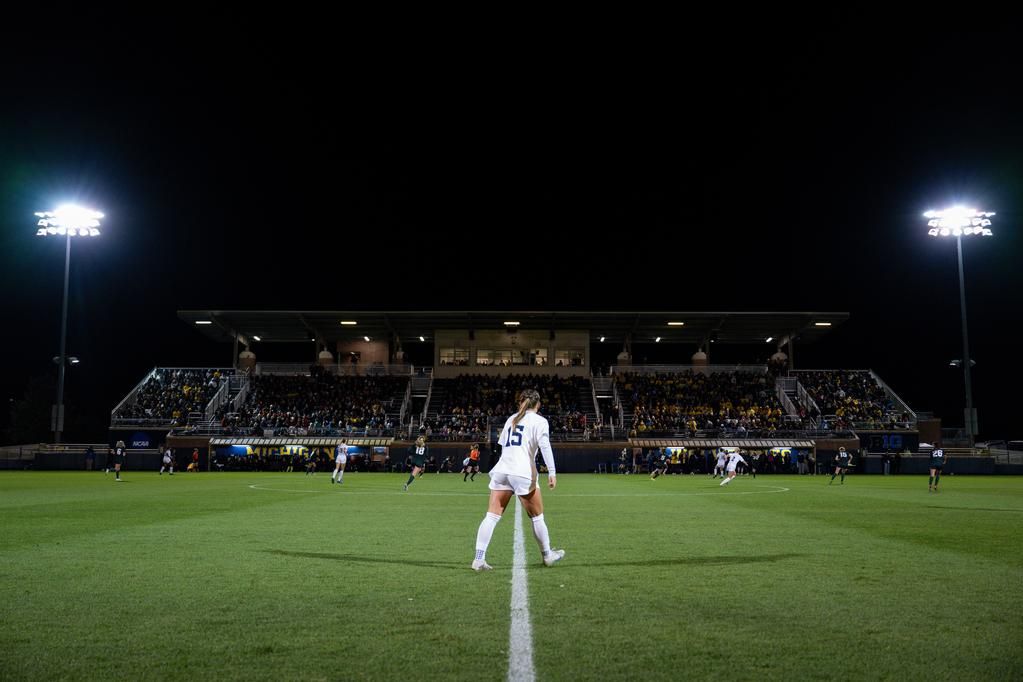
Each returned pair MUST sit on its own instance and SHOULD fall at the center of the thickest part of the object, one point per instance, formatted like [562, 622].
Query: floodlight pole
[68, 221]
[960, 220]
[58, 419]
[966, 345]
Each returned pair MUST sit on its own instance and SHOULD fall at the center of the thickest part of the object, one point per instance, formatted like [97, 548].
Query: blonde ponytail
[528, 400]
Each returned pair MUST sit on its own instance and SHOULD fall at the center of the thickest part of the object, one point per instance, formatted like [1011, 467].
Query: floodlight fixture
[68, 220]
[959, 221]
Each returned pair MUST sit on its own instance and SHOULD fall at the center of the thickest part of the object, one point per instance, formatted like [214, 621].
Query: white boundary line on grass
[520, 637]
[349, 491]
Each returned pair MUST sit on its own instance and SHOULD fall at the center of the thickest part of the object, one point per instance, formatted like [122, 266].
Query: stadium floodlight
[204, 321]
[422, 338]
[676, 324]
[960, 221]
[822, 324]
[256, 338]
[367, 338]
[657, 340]
[511, 324]
[67, 220]
[769, 339]
[602, 339]
[349, 323]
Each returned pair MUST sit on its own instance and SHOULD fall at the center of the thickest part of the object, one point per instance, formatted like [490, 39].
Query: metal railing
[305, 369]
[405, 403]
[133, 392]
[243, 383]
[132, 396]
[759, 434]
[899, 402]
[143, 422]
[282, 432]
[222, 395]
[808, 401]
[426, 405]
[596, 403]
[679, 369]
[783, 398]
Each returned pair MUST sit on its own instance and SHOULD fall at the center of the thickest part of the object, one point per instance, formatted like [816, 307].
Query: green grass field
[286, 577]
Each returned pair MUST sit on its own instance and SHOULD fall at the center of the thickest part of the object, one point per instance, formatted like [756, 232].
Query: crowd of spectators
[851, 397]
[738, 403]
[468, 403]
[171, 394]
[321, 404]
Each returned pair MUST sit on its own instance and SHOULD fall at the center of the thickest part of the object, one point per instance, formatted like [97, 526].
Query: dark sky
[753, 176]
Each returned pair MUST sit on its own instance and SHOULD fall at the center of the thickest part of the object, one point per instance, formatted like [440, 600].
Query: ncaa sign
[140, 440]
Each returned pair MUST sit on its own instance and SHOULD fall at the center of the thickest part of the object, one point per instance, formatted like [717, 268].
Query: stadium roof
[293, 326]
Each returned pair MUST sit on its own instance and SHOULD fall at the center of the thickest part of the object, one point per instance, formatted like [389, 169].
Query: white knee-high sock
[340, 475]
[543, 538]
[484, 534]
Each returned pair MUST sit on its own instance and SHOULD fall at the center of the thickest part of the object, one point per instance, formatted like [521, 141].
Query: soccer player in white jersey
[168, 461]
[733, 461]
[340, 461]
[719, 468]
[515, 474]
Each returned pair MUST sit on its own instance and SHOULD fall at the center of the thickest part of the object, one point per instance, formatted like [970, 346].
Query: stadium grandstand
[380, 379]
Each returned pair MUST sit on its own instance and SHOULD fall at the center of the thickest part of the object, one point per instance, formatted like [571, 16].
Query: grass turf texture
[202, 576]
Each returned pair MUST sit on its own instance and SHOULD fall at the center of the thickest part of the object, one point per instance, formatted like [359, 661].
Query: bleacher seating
[171, 394]
[851, 397]
[319, 404]
[463, 407]
[734, 403]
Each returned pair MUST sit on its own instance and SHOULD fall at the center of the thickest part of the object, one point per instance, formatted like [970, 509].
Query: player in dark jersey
[120, 455]
[655, 463]
[417, 453]
[937, 462]
[841, 465]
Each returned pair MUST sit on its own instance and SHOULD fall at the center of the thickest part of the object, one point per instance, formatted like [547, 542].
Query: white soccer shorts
[520, 485]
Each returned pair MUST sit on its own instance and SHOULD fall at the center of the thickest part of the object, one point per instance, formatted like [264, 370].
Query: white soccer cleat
[481, 566]
[554, 557]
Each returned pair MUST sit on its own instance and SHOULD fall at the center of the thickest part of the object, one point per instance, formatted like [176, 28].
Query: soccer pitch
[287, 577]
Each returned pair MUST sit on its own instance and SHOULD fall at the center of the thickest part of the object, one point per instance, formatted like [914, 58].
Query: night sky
[758, 176]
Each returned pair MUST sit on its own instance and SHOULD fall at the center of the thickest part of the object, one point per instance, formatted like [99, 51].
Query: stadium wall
[138, 439]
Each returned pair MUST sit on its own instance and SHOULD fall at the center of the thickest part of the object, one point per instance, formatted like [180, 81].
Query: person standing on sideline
[90, 459]
[340, 462]
[937, 463]
[515, 474]
[417, 453]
